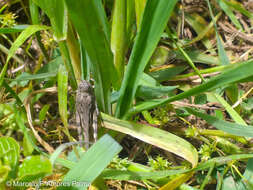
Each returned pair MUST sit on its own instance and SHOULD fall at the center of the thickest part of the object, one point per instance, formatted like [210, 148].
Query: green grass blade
[56, 11]
[130, 175]
[236, 73]
[230, 14]
[30, 30]
[154, 20]
[166, 74]
[154, 136]
[2, 74]
[14, 29]
[221, 51]
[236, 117]
[93, 34]
[119, 36]
[239, 7]
[232, 128]
[139, 8]
[247, 182]
[36, 76]
[93, 162]
[62, 94]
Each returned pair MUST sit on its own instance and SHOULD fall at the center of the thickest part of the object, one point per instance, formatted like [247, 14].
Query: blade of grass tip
[93, 162]
[155, 17]
[236, 117]
[221, 51]
[30, 30]
[58, 151]
[230, 14]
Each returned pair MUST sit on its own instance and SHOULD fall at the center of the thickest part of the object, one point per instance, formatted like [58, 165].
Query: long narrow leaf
[62, 94]
[238, 72]
[154, 136]
[119, 35]
[232, 128]
[154, 20]
[23, 37]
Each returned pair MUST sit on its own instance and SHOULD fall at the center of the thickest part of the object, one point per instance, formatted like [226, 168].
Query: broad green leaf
[9, 151]
[93, 162]
[30, 30]
[62, 94]
[57, 13]
[236, 73]
[154, 136]
[33, 168]
[154, 20]
[93, 31]
[232, 128]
